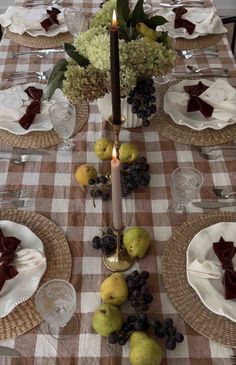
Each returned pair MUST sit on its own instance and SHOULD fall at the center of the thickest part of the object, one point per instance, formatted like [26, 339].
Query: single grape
[168, 322]
[179, 337]
[122, 341]
[113, 338]
[160, 332]
[144, 275]
[170, 343]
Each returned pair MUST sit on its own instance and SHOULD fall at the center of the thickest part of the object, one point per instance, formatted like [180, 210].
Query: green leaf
[123, 29]
[56, 78]
[75, 55]
[123, 10]
[154, 21]
[138, 14]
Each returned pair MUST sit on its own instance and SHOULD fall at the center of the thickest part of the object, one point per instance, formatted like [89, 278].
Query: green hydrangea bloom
[104, 16]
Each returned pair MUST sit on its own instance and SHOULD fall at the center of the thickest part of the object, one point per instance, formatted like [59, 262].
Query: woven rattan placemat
[184, 298]
[199, 42]
[25, 317]
[40, 41]
[44, 139]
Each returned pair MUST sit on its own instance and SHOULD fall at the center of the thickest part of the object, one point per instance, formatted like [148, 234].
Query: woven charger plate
[25, 317]
[40, 41]
[47, 138]
[163, 124]
[199, 42]
[184, 298]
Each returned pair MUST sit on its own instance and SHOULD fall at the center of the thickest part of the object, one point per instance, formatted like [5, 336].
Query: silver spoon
[18, 160]
[187, 54]
[213, 156]
[200, 69]
[222, 193]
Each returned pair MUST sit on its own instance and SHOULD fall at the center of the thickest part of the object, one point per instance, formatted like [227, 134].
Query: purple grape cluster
[107, 242]
[167, 331]
[142, 100]
[138, 291]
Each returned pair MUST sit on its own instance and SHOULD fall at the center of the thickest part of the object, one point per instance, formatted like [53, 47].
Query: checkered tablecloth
[59, 197]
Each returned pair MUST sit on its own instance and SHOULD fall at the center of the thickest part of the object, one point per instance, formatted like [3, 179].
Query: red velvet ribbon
[32, 109]
[225, 251]
[183, 23]
[8, 246]
[52, 19]
[195, 103]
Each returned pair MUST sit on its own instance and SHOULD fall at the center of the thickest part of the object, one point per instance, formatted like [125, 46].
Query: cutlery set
[41, 75]
[207, 52]
[38, 53]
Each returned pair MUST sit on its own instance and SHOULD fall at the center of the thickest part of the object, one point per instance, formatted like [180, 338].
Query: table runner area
[59, 197]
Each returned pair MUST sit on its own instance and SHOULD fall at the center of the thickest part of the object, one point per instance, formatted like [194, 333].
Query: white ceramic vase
[105, 108]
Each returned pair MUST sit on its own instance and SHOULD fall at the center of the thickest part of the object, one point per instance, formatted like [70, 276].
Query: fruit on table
[114, 289]
[145, 31]
[103, 148]
[84, 173]
[144, 350]
[107, 319]
[136, 241]
[128, 152]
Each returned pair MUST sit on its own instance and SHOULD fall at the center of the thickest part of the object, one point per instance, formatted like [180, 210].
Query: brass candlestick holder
[116, 130]
[119, 260]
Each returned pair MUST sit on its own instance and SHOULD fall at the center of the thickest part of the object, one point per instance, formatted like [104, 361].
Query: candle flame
[114, 19]
[114, 154]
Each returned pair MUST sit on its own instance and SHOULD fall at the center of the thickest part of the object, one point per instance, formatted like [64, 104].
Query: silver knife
[25, 151]
[8, 352]
[186, 5]
[201, 74]
[40, 51]
[214, 205]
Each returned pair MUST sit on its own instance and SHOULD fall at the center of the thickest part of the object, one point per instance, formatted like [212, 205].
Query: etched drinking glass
[185, 183]
[76, 21]
[63, 117]
[56, 302]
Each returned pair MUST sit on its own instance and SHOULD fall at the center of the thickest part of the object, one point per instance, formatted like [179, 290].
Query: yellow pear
[114, 289]
[144, 30]
[103, 148]
[136, 241]
[84, 173]
[128, 152]
[144, 350]
[107, 319]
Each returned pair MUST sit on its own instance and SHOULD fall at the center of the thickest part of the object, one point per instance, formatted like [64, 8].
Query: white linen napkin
[20, 19]
[14, 101]
[28, 259]
[222, 96]
[207, 269]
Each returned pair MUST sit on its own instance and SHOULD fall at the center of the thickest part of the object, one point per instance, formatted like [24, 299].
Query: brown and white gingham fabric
[60, 198]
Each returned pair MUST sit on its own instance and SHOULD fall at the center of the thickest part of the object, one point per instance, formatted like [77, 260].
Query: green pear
[103, 148]
[144, 30]
[114, 289]
[107, 319]
[144, 350]
[128, 152]
[136, 241]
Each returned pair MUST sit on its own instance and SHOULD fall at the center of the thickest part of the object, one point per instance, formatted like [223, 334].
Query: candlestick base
[118, 261]
[116, 129]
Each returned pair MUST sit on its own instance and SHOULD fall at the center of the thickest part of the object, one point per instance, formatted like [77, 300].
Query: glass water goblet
[75, 20]
[185, 183]
[168, 77]
[63, 117]
[56, 302]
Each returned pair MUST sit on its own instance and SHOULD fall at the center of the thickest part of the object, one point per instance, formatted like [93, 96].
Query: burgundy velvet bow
[52, 19]
[180, 22]
[32, 109]
[195, 103]
[225, 251]
[8, 246]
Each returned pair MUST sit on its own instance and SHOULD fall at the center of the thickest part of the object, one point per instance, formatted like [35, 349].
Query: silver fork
[41, 75]
[18, 160]
[17, 203]
[22, 193]
[187, 54]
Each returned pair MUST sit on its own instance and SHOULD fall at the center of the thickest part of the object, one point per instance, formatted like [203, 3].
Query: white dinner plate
[23, 285]
[211, 291]
[41, 122]
[206, 20]
[175, 104]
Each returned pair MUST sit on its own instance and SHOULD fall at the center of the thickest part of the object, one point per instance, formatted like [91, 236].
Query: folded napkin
[181, 22]
[225, 251]
[33, 109]
[205, 269]
[19, 19]
[195, 103]
[52, 19]
[28, 259]
[8, 246]
[222, 96]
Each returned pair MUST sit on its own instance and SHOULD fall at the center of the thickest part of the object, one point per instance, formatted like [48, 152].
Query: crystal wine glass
[75, 20]
[185, 183]
[63, 117]
[56, 302]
